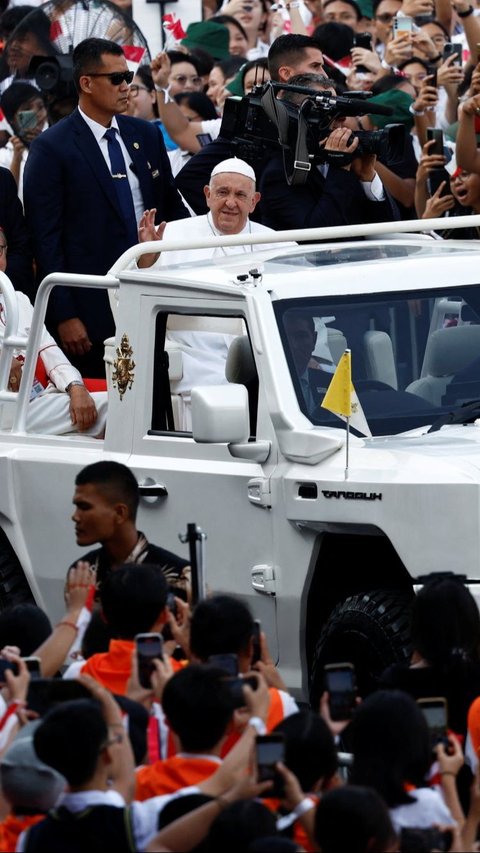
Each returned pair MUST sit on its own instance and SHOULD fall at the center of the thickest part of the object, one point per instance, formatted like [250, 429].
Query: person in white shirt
[65, 405]
[231, 196]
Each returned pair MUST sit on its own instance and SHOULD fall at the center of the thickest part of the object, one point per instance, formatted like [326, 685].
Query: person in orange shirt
[198, 704]
[224, 625]
[133, 601]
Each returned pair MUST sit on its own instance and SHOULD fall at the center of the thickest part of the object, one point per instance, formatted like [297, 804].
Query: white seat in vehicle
[379, 358]
[447, 352]
[337, 343]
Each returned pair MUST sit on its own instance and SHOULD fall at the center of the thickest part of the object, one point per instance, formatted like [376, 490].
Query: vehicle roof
[406, 263]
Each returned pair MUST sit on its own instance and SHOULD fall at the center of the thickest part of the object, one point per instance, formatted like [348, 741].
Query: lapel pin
[136, 145]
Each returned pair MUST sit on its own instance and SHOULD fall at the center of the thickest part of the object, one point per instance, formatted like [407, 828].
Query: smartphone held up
[149, 648]
[269, 749]
[341, 684]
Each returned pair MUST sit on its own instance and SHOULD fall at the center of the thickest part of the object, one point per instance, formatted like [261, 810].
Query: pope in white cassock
[65, 405]
[231, 196]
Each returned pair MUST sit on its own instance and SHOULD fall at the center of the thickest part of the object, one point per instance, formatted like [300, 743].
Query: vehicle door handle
[154, 490]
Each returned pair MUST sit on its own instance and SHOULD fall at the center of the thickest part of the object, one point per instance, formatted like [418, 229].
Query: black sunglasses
[116, 77]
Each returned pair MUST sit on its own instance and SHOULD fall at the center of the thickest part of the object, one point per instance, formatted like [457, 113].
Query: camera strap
[278, 114]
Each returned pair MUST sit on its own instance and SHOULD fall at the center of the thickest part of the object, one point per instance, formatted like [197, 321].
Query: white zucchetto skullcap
[234, 164]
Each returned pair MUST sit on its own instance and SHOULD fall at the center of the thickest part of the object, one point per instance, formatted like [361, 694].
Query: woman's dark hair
[229, 19]
[391, 745]
[205, 61]
[335, 39]
[97, 636]
[198, 102]
[440, 27]
[446, 623]
[310, 750]
[145, 74]
[353, 818]
[411, 61]
[177, 56]
[230, 66]
[238, 825]
[390, 81]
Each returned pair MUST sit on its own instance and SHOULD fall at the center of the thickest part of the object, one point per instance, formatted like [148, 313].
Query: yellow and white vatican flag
[341, 399]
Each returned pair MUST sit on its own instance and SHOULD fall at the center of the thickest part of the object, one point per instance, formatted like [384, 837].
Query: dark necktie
[122, 185]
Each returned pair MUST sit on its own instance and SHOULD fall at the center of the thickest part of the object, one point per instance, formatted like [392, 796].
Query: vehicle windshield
[414, 357]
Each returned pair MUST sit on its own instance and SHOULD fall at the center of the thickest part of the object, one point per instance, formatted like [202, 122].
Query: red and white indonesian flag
[134, 56]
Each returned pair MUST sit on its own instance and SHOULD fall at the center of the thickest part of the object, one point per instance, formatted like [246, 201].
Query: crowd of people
[104, 742]
[141, 147]
[147, 721]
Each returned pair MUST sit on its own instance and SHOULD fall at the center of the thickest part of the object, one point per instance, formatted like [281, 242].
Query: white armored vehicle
[328, 563]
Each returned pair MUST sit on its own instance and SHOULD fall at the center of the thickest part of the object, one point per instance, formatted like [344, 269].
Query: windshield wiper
[466, 414]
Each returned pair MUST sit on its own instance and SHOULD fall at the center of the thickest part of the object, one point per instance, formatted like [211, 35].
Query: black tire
[14, 588]
[370, 630]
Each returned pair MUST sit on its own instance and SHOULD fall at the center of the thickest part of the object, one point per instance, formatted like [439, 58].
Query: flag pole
[347, 447]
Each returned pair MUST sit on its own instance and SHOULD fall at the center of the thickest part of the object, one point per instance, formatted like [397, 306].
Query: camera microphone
[351, 106]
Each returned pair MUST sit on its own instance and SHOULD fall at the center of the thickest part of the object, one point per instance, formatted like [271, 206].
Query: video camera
[260, 122]
[53, 74]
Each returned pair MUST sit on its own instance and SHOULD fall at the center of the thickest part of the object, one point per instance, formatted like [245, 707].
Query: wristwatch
[72, 383]
[466, 13]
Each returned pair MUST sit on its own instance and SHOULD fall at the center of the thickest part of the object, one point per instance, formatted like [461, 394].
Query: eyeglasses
[385, 18]
[182, 79]
[3, 248]
[116, 77]
[135, 88]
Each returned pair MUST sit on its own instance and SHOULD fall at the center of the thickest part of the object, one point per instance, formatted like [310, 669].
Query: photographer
[332, 194]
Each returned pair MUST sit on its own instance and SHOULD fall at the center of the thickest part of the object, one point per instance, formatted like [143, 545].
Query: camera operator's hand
[364, 167]
[398, 49]
[339, 141]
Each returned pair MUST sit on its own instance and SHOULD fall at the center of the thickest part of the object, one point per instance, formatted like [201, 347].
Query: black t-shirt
[171, 564]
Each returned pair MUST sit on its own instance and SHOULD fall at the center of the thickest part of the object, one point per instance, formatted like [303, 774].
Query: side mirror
[220, 414]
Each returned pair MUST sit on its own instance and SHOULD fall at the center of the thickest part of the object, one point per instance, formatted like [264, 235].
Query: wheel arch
[349, 563]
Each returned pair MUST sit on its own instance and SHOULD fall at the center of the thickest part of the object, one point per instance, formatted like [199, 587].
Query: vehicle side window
[195, 350]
